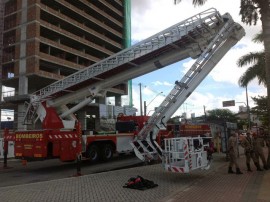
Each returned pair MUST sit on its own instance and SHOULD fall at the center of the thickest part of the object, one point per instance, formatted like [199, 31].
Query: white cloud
[227, 70]
[162, 83]
[167, 83]
[152, 16]
[148, 91]
[157, 83]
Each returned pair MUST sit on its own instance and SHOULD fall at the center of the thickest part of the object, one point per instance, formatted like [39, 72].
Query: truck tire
[93, 153]
[106, 152]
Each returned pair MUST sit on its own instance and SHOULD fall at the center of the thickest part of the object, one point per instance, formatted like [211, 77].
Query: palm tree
[251, 11]
[257, 68]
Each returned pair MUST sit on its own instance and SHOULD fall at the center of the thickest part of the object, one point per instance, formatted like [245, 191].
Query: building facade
[44, 41]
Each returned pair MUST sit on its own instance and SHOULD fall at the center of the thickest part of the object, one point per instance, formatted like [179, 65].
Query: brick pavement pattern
[212, 185]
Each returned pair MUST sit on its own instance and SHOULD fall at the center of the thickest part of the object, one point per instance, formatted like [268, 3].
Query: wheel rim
[93, 155]
[108, 152]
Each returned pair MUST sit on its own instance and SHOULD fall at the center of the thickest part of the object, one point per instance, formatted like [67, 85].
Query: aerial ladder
[145, 146]
[183, 40]
[206, 36]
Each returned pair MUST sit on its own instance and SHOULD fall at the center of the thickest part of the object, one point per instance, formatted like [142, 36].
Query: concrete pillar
[118, 100]
[23, 80]
[1, 49]
[100, 100]
[81, 115]
[56, 71]
[20, 116]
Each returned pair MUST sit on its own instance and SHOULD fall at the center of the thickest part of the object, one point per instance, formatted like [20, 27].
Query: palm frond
[255, 71]
[250, 58]
[247, 76]
[198, 2]
[194, 2]
[249, 12]
[258, 38]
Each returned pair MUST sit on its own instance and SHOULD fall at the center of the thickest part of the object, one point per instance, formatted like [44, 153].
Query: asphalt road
[39, 171]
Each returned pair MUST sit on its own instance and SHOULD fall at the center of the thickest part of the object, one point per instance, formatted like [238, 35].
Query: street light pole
[141, 98]
[249, 122]
[249, 126]
[145, 106]
[204, 112]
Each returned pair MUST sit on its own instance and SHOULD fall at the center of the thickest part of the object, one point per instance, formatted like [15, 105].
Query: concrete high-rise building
[43, 41]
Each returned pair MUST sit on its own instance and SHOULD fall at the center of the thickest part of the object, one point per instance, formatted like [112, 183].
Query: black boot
[230, 170]
[238, 172]
[265, 167]
[258, 167]
[248, 167]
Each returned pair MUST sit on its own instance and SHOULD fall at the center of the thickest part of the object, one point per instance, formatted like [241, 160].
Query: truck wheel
[107, 152]
[93, 153]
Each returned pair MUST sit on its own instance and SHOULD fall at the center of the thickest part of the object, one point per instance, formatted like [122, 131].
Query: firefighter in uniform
[248, 144]
[267, 141]
[258, 147]
[266, 138]
[232, 147]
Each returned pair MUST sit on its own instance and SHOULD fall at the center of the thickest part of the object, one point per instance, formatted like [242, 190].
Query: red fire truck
[66, 145]
[195, 130]
[206, 37]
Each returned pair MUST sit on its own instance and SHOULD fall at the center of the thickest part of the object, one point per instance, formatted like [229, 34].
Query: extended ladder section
[145, 146]
[185, 39]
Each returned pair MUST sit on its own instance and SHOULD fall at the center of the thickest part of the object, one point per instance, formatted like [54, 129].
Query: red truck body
[68, 144]
[194, 130]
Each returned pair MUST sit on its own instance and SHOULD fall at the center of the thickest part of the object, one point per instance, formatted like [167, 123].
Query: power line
[147, 86]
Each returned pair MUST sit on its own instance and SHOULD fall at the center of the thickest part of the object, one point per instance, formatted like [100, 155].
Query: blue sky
[152, 16]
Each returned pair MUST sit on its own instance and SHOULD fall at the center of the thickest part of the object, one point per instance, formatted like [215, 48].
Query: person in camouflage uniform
[232, 148]
[258, 147]
[267, 142]
[248, 144]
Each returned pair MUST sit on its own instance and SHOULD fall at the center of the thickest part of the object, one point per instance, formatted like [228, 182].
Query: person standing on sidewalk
[232, 147]
[248, 144]
[258, 147]
[266, 138]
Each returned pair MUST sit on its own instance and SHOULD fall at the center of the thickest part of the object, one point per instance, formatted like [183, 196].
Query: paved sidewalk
[220, 186]
[212, 185]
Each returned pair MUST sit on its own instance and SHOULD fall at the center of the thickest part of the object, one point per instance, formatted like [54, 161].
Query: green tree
[221, 115]
[260, 109]
[174, 119]
[251, 11]
[241, 123]
[256, 68]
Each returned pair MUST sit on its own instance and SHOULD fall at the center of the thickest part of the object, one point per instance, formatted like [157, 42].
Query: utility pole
[145, 106]
[141, 98]
[204, 112]
[145, 109]
[249, 126]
